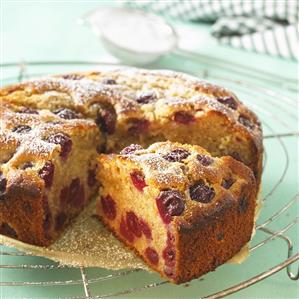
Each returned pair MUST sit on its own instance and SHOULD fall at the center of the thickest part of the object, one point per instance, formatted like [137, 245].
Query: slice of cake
[47, 171]
[183, 211]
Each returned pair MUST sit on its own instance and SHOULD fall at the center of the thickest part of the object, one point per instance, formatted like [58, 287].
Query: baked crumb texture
[53, 128]
[182, 210]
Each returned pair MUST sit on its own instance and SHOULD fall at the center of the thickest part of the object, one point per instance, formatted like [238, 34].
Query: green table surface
[47, 31]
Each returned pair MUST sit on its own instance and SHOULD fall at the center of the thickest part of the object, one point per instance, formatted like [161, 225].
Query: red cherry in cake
[152, 255]
[145, 229]
[109, 207]
[245, 122]
[91, 178]
[243, 204]
[170, 203]
[47, 173]
[21, 129]
[60, 220]
[64, 141]
[64, 196]
[138, 126]
[229, 102]
[227, 183]
[169, 271]
[133, 224]
[108, 81]
[3, 183]
[138, 180]
[201, 192]
[177, 155]
[124, 230]
[146, 97]
[183, 117]
[168, 255]
[66, 113]
[72, 77]
[106, 120]
[76, 193]
[236, 156]
[131, 149]
[26, 165]
[205, 160]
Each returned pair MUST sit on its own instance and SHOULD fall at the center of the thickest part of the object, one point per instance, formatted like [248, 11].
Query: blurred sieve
[131, 35]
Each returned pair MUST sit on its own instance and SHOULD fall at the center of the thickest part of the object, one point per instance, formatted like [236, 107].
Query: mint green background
[48, 30]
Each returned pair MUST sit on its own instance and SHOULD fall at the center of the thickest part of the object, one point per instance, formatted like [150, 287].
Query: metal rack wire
[267, 98]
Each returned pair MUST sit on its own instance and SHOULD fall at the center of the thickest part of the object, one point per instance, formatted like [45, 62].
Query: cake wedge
[182, 210]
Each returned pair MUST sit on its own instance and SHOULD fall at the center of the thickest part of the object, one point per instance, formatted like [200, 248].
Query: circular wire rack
[276, 229]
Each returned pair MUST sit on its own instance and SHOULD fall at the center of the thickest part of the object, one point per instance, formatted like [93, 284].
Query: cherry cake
[182, 210]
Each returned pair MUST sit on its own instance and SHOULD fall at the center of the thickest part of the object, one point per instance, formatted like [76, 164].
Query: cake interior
[127, 205]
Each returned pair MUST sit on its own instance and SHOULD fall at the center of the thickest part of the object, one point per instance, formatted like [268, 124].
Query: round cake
[54, 128]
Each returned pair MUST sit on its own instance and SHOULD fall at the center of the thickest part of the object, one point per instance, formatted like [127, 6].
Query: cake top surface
[132, 93]
[28, 135]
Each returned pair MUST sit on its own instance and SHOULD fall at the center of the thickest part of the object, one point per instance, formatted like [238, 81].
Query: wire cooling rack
[276, 239]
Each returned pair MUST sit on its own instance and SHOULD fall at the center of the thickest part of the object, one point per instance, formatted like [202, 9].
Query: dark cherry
[91, 178]
[201, 192]
[60, 220]
[21, 129]
[236, 156]
[170, 239]
[169, 271]
[229, 102]
[28, 110]
[26, 165]
[106, 120]
[145, 229]
[183, 117]
[177, 155]
[168, 255]
[138, 180]
[138, 126]
[245, 122]
[131, 149]
[7, 230]
[108, 81]
[3, 183]
[243, 204]
[76, 193]
[205, 160]
[66, 113]
[227, 183]
[64, 195]
[170, 203]
[47, 214]
[47, 173]
[152, 255]
[72, 77]
[146, 97]
[133, 224]
[65, 143]
[108, 206]
[125, 232]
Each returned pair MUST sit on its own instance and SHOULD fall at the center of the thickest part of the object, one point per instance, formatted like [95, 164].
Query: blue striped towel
[264, 26]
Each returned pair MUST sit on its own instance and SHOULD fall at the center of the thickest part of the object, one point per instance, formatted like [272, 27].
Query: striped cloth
[264, 26]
